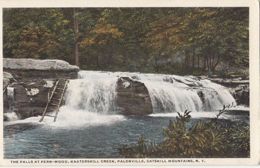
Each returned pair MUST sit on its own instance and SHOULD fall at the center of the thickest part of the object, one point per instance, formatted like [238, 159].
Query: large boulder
[35, 68]
[36, 64]
[133, 97]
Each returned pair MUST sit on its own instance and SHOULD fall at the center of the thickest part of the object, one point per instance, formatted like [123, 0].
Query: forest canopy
[161, 40]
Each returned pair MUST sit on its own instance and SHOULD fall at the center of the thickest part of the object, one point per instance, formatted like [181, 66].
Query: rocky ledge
[24, 68]
[238, 87]
[29, 99]
[7, 79]
[241, 94]
[232, 82]
[27, 83]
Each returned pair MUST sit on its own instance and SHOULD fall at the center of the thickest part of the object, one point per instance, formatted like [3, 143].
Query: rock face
[230, 82]
[31, 80]
[238, 87]
[30, 98]
[133, 97]
[7, 79]
[241, 94]
[35, 68]
[35, 64]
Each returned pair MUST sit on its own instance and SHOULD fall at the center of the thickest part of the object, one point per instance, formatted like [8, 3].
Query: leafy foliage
[165, 40]
[214, 138]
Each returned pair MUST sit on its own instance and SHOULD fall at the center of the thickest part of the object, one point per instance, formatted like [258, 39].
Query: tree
[76, 36]
[104, 37]
[209, 33]
[163, 40]
[35, 33]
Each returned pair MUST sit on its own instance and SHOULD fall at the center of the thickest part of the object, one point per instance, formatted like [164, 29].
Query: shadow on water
[9, 130]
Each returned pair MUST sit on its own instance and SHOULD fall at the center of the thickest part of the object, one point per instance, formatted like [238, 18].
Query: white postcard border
[254, 78]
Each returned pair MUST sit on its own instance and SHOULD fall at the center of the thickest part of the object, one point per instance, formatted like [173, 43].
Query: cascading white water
[92, 92]
[171, 93]
[90, 99]
[96, 92]
[10, 97]
[10, 115]
[166, 97]
[216, 96]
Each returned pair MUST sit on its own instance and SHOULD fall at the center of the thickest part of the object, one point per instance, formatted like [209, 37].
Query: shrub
[212, 138]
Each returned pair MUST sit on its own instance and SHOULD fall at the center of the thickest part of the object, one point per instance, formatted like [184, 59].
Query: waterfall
[89, 101]
[95, 91]
[10, 97]
[171, 93]
[92, 92]
[168, 98]
[10, 115]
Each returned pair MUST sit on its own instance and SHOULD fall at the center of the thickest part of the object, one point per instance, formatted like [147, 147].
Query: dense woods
[162, 40]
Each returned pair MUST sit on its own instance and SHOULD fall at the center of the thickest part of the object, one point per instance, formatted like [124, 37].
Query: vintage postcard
[124, 83]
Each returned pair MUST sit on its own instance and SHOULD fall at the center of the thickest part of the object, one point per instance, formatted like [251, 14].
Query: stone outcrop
[230, 82]
[30, 97]
[133, 97]
[238, 87]
[24, 68]
[31, 81]
[35, 64]
[7, 79]
[241, 94]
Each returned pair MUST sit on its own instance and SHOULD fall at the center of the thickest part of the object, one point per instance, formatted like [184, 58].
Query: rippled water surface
[29, 139]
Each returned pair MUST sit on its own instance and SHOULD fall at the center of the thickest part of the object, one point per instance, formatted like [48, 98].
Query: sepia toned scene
[126, 83]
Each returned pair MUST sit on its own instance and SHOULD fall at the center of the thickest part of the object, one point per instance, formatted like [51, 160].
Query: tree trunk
[156, 61]
[216, 64]
[209, 62]
[76, 34]
[193, 59]
[185, 63]
[198, 66]
[205, 63]
[110, 54]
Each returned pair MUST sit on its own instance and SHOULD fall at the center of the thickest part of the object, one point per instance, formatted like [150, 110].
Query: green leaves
[35, 33]
[204, 32]
[164, 40]
[213, 138]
